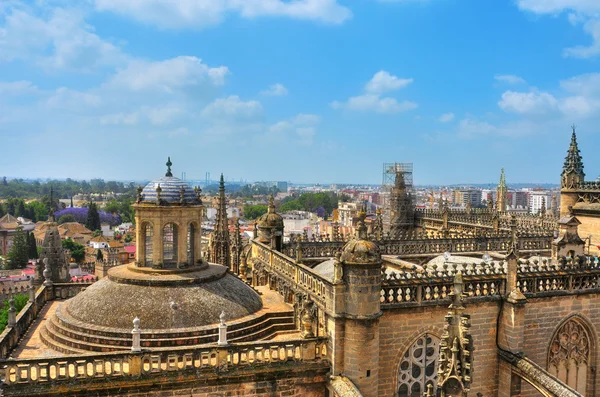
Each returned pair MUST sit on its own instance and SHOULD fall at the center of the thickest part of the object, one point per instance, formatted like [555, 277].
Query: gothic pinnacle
[169, 164]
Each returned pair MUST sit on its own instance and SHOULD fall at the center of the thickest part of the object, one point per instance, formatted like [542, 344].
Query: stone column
[12, 313]
[136, 336]
[140, 246]
[182, 244]
[222, 331]
[157, 246]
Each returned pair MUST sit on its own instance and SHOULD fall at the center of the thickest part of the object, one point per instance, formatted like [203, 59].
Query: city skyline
[311, 91]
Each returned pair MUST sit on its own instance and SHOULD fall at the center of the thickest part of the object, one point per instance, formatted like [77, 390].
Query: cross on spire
[169, 164]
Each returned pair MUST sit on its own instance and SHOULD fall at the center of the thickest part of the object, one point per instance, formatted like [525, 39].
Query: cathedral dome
[361, 252]
[171, 190]
[163, 299]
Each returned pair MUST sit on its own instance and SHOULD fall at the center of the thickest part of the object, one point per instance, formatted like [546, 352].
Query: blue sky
[305, 90]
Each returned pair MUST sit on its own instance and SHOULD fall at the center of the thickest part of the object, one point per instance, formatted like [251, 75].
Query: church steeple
[572, 174]
[501, 193]
[220, 252]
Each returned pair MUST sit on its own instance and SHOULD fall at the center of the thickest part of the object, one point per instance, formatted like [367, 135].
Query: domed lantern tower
[168, 215]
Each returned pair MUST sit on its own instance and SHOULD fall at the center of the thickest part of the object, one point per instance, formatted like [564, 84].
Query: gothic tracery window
[170, 244]
[569, 355]
[148, 236]
[419, 366]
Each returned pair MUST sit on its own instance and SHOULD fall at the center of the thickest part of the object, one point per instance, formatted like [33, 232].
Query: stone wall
[543, 316]
[399, 329]
[590, 225]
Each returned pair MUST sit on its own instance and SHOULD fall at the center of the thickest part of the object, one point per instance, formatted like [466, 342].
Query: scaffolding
[391, 169]
[397, 202]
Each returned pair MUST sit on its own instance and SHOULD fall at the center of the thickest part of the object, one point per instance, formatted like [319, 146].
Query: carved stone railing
[429, 246]
[299, 277]
[69, 290]
[435, 283]
[590, 185]
[81, 368]
[559, 277]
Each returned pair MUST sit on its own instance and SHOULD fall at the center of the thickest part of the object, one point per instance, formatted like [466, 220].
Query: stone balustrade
[301, 278]
[81, 368]
[424, 245]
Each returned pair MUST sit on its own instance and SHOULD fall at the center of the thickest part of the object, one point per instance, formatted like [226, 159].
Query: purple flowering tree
[80, 215]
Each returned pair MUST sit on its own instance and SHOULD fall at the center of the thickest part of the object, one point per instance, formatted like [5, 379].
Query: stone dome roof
[163, 299]
[171, 188]
[271, 219]
[363, 252]
[170, 191]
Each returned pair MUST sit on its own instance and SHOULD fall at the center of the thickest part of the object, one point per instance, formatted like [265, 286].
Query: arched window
[419, 366]
[170, 244]
[569, 355]
[191, 234]
[148, 236]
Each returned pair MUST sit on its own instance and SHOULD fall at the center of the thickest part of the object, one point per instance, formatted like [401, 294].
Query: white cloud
[21, 87]
[197, 14]
[527, 102]
[179, 73]
[68, 99]
[558, 6]
[301, 129]
[509, 79]
[583, 84]
[582, 11]
[275, 90]
[446, 117]
[232, 107]
[383, 81]
[60, 39]
[372, 102]
[592, 27]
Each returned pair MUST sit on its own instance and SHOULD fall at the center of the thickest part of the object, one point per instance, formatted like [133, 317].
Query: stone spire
[501, 193]
[572, 174]
[169, 164]
[401, 207]
[456, 347]
[53, 252]
[220, 249]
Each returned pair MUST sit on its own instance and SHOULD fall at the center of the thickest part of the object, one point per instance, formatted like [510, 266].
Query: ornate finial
[136, 323]
[222, 318]
[572, 174]
[158, 191]
[182, 195]
[47, 272]
[573, 127]
[169, 164]
[361, 230]
[271, 209]
[139, 195]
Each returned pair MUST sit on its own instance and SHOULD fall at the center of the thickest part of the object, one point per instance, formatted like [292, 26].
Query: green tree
[93, 218]
[66, 218]
[254, 211]
[19, 252]
[293, 205]
[20, 302]
[37, 211]
[77, 250]
[112, 206]
[33, 253]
